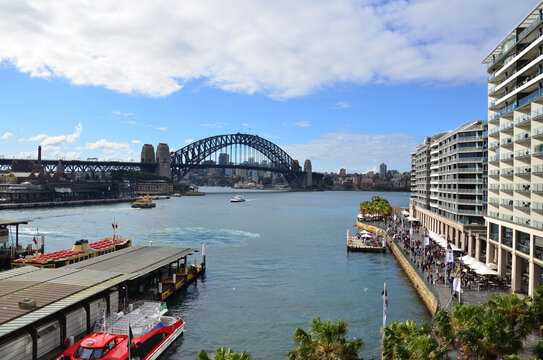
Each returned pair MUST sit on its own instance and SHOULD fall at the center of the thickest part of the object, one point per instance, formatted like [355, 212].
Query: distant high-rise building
[223, 158]
[342, 172]
[383, 170]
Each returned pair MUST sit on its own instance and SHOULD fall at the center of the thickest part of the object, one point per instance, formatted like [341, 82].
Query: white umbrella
[364, 232]
[477, 265]
[486, 271]
[405, 213]
[468, 259]
[366, 236]
[492, 266]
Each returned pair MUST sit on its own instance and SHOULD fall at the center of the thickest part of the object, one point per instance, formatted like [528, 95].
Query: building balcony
[523, 138]
[507, 172]
[507, 143]
[510, 44]
[523, 154]
[523, 121]
[523, 171]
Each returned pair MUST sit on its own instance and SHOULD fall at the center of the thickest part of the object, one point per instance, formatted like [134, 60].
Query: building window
[523, 242]
[507, 236]
[494, 232]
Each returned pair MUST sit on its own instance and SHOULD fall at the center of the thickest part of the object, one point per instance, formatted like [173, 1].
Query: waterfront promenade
[429, 267]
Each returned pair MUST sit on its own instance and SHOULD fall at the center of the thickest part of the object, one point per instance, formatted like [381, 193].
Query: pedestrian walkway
[470, 295]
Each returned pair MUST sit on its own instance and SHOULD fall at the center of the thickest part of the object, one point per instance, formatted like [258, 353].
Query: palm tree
[516, 311]
[224, 354]
[411, 341]
[325, 341]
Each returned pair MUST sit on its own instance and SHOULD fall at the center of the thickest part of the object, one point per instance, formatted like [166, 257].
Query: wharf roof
[53, 290]
[4, 222]
[135, 260]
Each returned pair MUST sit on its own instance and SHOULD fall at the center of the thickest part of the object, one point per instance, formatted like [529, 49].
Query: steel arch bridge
[194, 155]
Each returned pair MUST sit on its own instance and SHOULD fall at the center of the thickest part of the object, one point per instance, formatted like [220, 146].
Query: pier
[44, 310]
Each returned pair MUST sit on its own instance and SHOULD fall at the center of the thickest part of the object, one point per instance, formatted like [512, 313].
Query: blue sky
[346, 84]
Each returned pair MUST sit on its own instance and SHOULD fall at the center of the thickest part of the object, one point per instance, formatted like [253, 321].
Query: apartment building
[448, 183]
[515, 154]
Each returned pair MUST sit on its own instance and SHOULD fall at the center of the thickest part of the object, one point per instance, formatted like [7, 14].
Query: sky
[343, 83]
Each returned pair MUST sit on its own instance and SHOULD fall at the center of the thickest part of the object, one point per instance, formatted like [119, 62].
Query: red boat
[142, 334]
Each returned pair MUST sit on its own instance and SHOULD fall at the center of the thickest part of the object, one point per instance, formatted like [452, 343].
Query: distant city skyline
[353, 85]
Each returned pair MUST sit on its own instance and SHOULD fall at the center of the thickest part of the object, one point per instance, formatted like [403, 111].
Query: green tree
[411, 341]
[224, 354]
[326, 341]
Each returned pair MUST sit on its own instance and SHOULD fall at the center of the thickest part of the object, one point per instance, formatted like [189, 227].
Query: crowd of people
[437, 265]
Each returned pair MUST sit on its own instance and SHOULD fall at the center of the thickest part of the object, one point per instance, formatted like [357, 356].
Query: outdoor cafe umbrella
[477, 265]
[486, 271]
[468, 259]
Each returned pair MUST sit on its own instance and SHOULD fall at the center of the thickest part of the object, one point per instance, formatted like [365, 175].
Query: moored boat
[237, 198]
[141, 334]
[144, 202]
[81, 250]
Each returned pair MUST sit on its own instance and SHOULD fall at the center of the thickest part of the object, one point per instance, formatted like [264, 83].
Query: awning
[405, 213]
[411, 218]
[486, 271]
[440, 240]
[468, 259]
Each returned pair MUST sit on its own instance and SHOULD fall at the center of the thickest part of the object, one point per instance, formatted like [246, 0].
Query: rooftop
[135, 260]
[53, 290]
[527, 21]
[4, 222]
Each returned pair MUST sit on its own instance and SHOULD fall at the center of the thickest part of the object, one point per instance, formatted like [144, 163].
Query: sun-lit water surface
[274, 262]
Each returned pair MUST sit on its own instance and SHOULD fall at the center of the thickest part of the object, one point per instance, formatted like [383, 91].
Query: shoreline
[428, 297]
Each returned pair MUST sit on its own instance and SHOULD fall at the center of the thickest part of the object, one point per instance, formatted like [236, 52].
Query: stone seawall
[427, 296]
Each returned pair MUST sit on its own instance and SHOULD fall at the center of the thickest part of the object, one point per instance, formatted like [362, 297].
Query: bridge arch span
[194, 154]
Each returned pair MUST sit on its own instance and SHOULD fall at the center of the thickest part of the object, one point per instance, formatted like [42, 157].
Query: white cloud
[356, 151]
[46, 140]
[73, 155]
[342, 105]
[188, 141]
[137, 142]
[124, 114]
[6, 135]
[39, 137]
[218, 125]
[109, 147]
[135, 123]
[153, 48]
[303, 124]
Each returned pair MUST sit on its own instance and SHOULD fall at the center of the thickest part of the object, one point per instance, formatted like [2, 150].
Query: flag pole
[384, 317]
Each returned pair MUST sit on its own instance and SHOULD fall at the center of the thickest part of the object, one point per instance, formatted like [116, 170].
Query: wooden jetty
[366, 242]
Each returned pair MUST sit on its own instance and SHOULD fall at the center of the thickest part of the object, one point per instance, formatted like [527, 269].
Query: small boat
[237, 198]
[143, 334]
[144, 202]
[81, 250]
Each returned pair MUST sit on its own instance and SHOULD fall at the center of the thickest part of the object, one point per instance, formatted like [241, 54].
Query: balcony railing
[522, 153]
[523, 171]
[522, 137]
[523, 119]
[530, 97]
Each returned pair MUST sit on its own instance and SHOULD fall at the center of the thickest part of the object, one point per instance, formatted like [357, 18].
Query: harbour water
[274, 263]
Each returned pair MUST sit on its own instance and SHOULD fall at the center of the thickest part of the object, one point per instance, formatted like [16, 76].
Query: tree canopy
[377, 205]
[326, 341]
